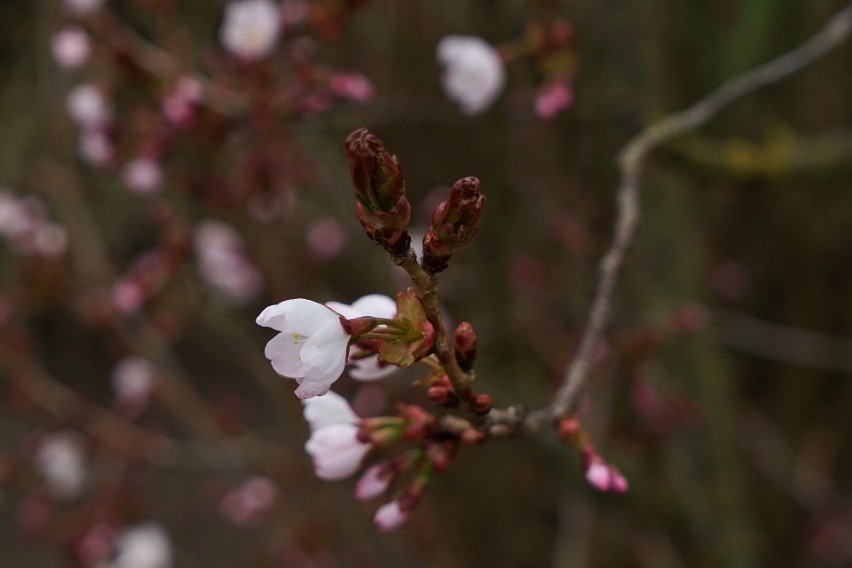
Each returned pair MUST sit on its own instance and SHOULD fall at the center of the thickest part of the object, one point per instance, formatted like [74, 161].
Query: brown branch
[630, 161]
[427, 288]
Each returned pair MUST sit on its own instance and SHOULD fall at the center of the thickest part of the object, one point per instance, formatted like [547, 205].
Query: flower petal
[298, 314]
[369, 369]
[328, 409]
[325, 352]
[283, 350]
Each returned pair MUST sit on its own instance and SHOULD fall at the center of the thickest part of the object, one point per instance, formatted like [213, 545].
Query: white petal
[325, 352]
[369, 369]
[284, 352]
[298, 314]
[375, 305]
[328, 409]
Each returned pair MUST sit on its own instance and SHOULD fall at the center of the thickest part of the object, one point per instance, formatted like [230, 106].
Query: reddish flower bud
[482, 404]
[471, 436]
[464, 343]
[380, 205]
[454, 224]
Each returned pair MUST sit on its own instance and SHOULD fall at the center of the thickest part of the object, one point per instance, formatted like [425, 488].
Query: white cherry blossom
[71, 48]
[145, 545]
[334, 446]
[474, 74]
[311, 347]
[251, 28]
[61, 462]
[389, 516]
[88, 106]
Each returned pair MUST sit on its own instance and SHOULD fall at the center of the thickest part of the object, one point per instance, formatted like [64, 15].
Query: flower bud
[454, 224]
[464, 343]
[380, 205]
[482, 404]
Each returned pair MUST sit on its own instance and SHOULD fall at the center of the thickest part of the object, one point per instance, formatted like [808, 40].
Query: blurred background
[149, 217]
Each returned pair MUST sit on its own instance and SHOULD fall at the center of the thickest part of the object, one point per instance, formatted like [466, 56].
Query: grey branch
[630, 162]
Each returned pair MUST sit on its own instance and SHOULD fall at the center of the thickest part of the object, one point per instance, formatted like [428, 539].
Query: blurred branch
[630, 162]
[123, 436]
[783, 342]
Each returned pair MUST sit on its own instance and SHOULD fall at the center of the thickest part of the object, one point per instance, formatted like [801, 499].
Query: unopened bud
[380, 205]
[568, 430]
[454, 224]
[464, 343]
[482, 404]
[471, 436]
[441, 396]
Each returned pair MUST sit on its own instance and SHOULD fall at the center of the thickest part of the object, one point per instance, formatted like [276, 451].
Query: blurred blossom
[88, 106]
[94, 547]
[373, 482]
[373, 305]
[389, 516]
[133, 381]
[142, 176]
[222, 262]
[251, 28]
[83, 7]
[127, 295]
[326, 238]
[145, 545]
[352, 86]
[605, 477]
[179, 106]
[473, 73]
[50, 239]
[553, 99]
[247, 503]
[95, 146]
[60, 460]
[71, 48]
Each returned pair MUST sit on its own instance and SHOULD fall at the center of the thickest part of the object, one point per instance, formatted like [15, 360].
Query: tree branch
[630, 162]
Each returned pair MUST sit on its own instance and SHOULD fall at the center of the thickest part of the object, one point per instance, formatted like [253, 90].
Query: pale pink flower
[60, 460]
[251, 28]
[50, 239]
[389, 516]
[473, 75]
[94, 146]
[145, 545]
[373, 305]
[142, 176]
[604, 477]
[325, 238]
[336, 451]
[373, 482]
[83, 7]
[222, 262]
[352, 86]
[311, 347]
[552, 100]
[133, 380]
[88, 106]
[250, 501]
[71, 48]
[127, 295]
[179, 106]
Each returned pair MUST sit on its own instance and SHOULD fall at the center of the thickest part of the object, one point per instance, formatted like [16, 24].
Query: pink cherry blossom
[312, 345]
[552, 100]
[331, 408]
[142, 176]
[474, 74]
[389, 516]
[605, 477]
[375, 305]
[61, 462]
[223, 264]
[88, 106]
[71, 48]
[373, 482]
[145, 545]
[251, 28]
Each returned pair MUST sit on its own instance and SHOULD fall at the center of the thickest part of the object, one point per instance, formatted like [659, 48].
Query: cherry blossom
[605, 477]
[373, 482]
[334, 446]
[71, 48]
[312, 345]
[142, 176]
[88, 106]
[60, 460]
[552, 100]
[251, 28]
[473, 72]
[376, 305]
[83, 7]
[145, 545]
[222, 262]
[389, 516]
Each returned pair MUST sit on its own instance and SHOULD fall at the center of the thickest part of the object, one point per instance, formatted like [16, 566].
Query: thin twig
[630, 162]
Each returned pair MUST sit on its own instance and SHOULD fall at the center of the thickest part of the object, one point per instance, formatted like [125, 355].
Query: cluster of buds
[340, 441]
[599, 473]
